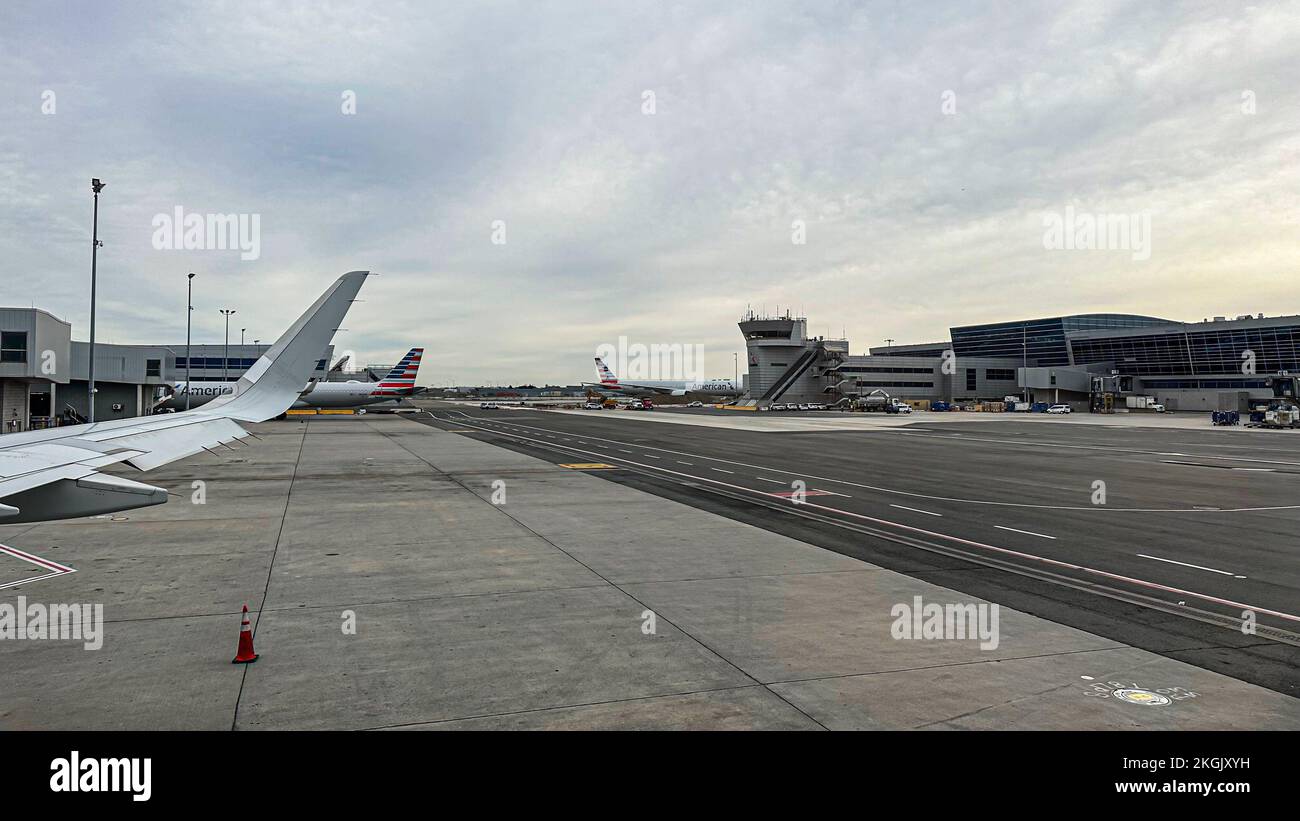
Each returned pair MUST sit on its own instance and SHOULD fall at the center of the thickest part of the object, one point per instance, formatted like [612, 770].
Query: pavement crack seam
[612, 584]
[948, 664]
[270, 567]
[553, 708]
[1095, 588]
[1017, 700]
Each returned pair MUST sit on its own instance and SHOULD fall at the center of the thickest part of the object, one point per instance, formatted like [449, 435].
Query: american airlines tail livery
[609, 381]
[398, 384]
[54, 473]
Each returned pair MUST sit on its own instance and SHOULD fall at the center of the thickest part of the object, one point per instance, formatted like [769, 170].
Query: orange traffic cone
[245, 654]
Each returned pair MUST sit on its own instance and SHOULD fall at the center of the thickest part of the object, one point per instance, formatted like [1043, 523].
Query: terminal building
[44, 374]
[1085, 360]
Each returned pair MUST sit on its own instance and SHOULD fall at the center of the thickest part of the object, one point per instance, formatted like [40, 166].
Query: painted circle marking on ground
[1143, 697]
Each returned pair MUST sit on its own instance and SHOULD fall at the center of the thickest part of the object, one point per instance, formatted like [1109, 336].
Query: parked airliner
[610, 382]
[399, 383]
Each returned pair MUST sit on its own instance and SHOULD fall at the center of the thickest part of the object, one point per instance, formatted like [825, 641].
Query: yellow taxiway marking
[588, 466]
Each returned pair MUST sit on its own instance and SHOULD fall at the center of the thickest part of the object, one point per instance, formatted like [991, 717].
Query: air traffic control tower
[784, 364]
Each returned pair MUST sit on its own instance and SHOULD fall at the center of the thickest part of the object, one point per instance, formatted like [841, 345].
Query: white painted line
[1026, 532]
[1003, 550]
[830, 492]
[22, 555]
[1219, 467]
[684, 463]
[651, 456]
[720, 470]
[916, 510]
[621, 450]
[1100, 509]
[7, 585]
[1185, 564]
[773, 481]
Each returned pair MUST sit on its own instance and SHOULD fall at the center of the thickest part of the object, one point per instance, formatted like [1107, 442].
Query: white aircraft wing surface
[53, 474]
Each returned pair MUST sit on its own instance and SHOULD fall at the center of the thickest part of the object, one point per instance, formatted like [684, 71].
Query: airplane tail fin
[400, 381]
[607, 377]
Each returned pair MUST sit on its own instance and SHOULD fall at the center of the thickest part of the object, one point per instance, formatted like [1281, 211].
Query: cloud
[661, 227]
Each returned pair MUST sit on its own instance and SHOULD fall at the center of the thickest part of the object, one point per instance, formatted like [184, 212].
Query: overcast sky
[922, 146]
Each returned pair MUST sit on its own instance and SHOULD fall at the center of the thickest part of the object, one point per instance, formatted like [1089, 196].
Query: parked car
[803, 406]
[901, 408]
[694, 404]
[487, 406]
[592, 406]
[779, 406]
[1156, 407]
[1059, 409]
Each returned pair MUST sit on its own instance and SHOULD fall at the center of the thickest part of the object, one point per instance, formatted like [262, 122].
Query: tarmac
[810, 421]
[490, 589]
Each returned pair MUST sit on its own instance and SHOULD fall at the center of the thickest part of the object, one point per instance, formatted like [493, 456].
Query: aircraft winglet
[268, 388]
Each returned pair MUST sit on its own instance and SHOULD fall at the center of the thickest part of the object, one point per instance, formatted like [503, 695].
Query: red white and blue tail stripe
[400, 381]
[607, 377]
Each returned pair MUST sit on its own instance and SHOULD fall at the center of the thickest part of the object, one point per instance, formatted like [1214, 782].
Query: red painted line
[27, 557]
[1059, 563]
[1007, 551]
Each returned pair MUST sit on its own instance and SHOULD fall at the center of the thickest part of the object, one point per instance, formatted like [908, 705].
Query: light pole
[735, 369]
[189, 314]
[225, 359]
[241, 336]
[95, 185]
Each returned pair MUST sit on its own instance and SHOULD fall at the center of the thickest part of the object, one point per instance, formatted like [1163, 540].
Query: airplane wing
[53, 474]
[599, 388]
[624, 387]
